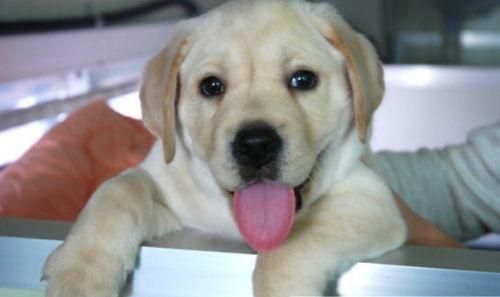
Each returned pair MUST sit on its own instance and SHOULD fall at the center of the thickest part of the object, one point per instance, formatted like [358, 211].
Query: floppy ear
[160, 90]
[364, 70]
[365, 74]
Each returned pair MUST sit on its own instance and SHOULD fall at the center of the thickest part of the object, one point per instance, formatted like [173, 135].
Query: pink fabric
[55, 178]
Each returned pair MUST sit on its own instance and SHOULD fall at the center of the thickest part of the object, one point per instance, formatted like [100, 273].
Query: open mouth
[297, 191]
[264, 212]
[298, 197]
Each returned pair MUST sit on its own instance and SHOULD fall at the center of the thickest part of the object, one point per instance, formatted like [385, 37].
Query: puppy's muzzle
[256, 146]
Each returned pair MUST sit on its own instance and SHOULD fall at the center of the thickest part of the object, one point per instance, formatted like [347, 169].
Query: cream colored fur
[348, 213]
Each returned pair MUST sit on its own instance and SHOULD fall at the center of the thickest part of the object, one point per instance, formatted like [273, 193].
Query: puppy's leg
[357, 220]
[101, 248]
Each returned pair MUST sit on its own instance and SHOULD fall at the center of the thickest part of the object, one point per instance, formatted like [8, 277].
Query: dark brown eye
[211, 86]
[303, 80]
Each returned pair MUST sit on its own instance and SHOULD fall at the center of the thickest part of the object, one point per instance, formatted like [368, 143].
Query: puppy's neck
[337, 160]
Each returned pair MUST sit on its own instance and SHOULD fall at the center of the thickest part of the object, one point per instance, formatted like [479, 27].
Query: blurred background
[462, 32]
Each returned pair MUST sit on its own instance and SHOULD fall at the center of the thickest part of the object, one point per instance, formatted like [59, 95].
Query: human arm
[423, 232]
[456, 188]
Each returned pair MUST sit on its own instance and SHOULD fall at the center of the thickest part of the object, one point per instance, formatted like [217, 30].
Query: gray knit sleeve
[457, 187]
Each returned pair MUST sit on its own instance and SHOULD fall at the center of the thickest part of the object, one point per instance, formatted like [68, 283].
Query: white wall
[428, 106]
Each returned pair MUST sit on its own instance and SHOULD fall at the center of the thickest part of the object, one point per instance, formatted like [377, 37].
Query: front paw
[277, 275]
[77, 272]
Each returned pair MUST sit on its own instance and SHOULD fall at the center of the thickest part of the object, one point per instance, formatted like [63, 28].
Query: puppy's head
[260, 92]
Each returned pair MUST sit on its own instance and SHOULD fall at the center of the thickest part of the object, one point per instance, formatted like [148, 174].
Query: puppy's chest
[196, 206]
[203, 210]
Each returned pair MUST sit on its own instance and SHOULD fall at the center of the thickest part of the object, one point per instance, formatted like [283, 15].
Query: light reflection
[16, 141]
[418, 77]
[61, 117]
[480, 39]
[26, 102]
[127, 104]
[349, 282]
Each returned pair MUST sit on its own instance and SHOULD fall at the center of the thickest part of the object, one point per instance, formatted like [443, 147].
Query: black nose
[256, 145]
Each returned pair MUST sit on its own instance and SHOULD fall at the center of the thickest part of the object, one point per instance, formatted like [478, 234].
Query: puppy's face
[265, 97]
[262, 97]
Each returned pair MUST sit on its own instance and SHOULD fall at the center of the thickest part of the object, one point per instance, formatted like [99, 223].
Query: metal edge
[410, 256]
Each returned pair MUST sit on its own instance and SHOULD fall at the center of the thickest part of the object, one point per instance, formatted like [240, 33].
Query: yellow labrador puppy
[262, 111]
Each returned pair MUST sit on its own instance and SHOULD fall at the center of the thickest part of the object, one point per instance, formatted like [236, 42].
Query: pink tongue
[264, 214]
